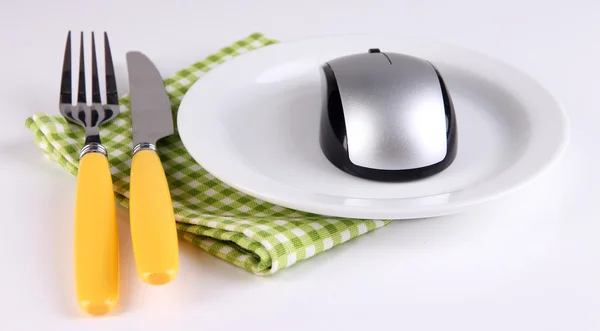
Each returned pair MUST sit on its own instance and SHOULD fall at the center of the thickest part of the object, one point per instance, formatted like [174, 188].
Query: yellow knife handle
[153, 231]
[96, 237]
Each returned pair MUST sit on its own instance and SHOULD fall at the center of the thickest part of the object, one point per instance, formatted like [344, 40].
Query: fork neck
[93, 138]
[92, 143]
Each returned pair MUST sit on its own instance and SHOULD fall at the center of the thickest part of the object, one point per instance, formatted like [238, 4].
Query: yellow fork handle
[153, 231]
[96, 237]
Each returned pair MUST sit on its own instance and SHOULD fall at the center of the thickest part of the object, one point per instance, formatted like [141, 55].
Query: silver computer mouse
[387, 116]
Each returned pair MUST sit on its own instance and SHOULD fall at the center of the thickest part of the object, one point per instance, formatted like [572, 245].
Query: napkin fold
[258, 236]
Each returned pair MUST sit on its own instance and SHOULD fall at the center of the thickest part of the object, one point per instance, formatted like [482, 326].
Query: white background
[530, 261]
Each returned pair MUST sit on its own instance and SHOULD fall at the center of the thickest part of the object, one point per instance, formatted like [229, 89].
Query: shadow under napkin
[250, 233]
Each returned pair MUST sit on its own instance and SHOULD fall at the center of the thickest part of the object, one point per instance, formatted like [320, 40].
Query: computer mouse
[386, 116]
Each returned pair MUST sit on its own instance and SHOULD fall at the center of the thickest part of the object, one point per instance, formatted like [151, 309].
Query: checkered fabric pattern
[252, 234]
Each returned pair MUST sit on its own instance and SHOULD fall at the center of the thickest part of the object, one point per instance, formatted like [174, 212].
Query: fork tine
[65, 82]
[95, 83]
[112, 97]
[81, 93]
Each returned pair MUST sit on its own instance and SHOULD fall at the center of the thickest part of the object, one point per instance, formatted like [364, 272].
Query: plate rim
[431, 211]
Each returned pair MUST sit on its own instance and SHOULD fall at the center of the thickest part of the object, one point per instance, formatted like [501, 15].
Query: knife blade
[151, 115]
[152, 221]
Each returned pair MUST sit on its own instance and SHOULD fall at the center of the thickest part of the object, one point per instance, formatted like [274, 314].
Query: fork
[96, 235]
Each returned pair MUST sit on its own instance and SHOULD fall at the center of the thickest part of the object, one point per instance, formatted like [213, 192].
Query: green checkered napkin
[258, 236]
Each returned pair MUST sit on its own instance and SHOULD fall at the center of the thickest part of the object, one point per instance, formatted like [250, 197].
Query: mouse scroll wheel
[374, 50]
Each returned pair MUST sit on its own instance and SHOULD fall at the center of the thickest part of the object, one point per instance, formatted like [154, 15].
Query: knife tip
[132, 53]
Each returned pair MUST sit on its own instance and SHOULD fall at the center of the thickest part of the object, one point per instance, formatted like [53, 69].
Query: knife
[152, 221]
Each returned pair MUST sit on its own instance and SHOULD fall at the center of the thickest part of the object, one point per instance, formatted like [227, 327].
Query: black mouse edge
[333, 139]
[452, 131]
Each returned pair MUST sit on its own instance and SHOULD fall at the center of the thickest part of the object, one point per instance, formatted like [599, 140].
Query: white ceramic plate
[253, 123]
